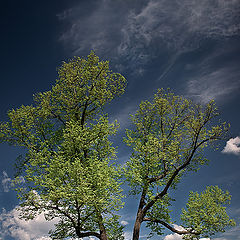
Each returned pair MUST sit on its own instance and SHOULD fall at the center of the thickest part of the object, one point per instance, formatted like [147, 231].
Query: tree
[69, 166]
[68, 174]
[167, 140]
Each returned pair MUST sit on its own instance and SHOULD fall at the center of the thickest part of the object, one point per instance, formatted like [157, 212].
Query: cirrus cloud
[138, 30]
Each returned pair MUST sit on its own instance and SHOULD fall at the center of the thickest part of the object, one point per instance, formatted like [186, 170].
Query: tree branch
[88, 234]
[157, 178]
[170, 227]
[58, 117]
[65, 214]
[175, 173]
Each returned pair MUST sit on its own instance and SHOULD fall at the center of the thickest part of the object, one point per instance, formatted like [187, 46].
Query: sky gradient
[190, 46]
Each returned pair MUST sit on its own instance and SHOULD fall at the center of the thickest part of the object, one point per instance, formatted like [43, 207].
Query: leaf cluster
[206, 213]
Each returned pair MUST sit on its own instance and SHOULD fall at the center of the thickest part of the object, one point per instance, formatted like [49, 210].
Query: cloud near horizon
[124, 223]
[12, 225]
[6, 182]
[176, 236]
[232, 146]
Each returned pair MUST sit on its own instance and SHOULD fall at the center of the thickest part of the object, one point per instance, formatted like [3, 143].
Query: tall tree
[168, 139]
[67, 169]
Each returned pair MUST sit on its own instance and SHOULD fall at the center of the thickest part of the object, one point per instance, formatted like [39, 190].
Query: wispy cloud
[12, 225]
[232, 146]
[123, 115]
[212, 78]
[6, 182]
[176, 236]
[220, 239]
[127, 235]
[137, 31]
[214, 84]
[97, 30]
[232, 233]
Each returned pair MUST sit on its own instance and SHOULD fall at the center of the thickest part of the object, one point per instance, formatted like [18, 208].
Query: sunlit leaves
[206, 212]
[168, 132]
[68, 174]
[82, 82]
[168, 138]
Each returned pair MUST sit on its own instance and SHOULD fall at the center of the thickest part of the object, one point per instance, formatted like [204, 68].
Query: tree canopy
[168, 140]
[70, 166]
[68, 174]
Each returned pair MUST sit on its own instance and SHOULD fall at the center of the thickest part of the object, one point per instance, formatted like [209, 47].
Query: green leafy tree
[67, 167]
[167, 140]
[205, 213]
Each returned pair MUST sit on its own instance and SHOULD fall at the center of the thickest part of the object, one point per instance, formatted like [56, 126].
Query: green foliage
[168, 139]
[114, 230]
[68, 174]
[167, 133]
[206, 213]
[67, 167]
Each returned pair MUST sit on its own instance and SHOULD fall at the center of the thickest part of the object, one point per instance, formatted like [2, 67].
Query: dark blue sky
[191, 46]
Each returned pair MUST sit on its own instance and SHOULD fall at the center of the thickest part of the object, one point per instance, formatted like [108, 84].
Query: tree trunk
[137, 225]
[103, 233]
[140, 215]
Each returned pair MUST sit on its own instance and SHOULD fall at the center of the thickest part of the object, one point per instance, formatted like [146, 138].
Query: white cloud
[176, 236]
[232, 146]
[12, 225]
[124, 223]
[179, 228]
[127, 235]
[6, 182]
